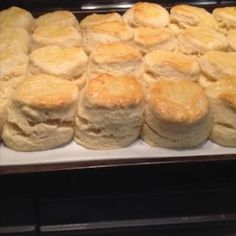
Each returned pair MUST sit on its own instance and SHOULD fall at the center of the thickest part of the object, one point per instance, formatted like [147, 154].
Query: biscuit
[95, 19]
[199, 40]
[222, 96]
[160, 64]
[177, 115]
[148, 39]
[110, 112]
[15, 39]
[65, 63]
[147, 15]
[57, 18]
[216, 65]
[56, 35]
[13, 65]
[41, 115]
[115, 58]
[232, 40]
[15, 16]
[185, 15]
[226, 18]
[107, 32]
[6, 92]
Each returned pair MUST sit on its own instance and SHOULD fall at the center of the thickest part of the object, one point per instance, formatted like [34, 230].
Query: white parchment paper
[74, 153]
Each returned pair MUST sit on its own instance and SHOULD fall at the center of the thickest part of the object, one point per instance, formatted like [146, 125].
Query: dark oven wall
[78, 5]
[177, 199]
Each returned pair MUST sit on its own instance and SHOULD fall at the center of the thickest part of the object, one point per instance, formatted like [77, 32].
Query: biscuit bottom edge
[15, 138]
[105, 142]
[154, 139]
[224, 136]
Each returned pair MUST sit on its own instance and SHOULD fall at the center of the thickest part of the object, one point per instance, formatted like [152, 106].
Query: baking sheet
[75, 153]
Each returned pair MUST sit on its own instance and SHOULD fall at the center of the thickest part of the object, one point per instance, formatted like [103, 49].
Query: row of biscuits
[71, 63]
[146, 25]
[113, 111]
[142, 14]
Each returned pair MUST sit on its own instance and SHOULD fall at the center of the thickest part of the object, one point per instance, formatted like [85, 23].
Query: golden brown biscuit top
[175, 60]
[188, 9]
[46, 92]
[15, 16]
[227, 12]
[224, 60]
[144, 11]
[12, 13]
[151, 36]
[179, 101]
[225, 90]
[60, 18]
[107, 91]
[55, 31]
[204, 35]
[115, 52]
[58, 60]
[112, 27]
[192, 15]
[95, 19]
